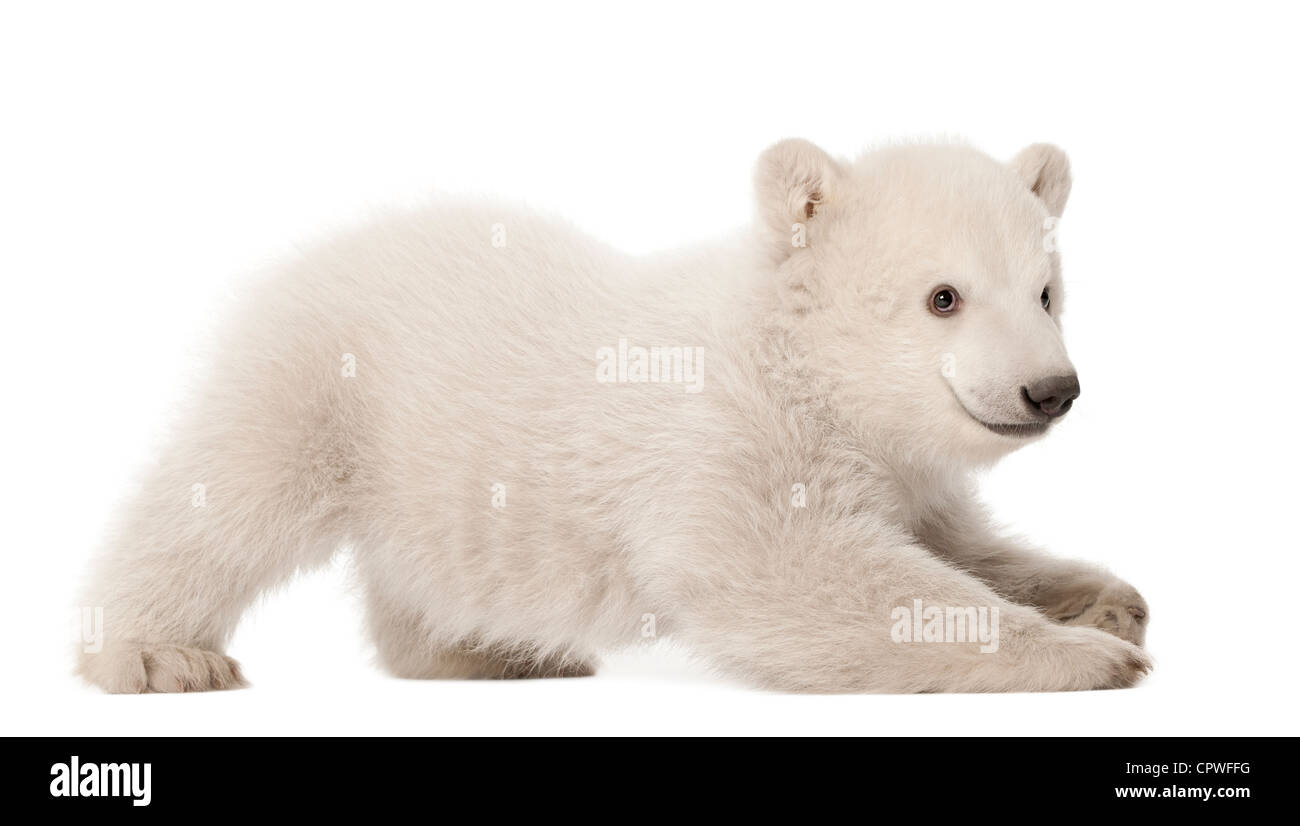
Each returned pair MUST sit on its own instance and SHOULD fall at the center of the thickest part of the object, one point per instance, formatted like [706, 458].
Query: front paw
[1114, 606]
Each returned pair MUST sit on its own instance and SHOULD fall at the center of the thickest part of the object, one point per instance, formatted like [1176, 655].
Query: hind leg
[408, 650]
[244, 499]
[176, 581]
[467, 662]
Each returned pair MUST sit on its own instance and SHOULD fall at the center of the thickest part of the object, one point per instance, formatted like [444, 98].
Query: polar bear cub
[539, 449]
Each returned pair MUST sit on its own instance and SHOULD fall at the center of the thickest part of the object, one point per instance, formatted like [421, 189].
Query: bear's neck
[783, 397]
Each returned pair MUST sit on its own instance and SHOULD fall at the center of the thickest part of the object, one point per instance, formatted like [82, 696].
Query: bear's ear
[792, 180]
[1046, 171]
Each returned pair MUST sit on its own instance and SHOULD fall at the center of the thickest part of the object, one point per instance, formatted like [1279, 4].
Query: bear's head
[922, 288]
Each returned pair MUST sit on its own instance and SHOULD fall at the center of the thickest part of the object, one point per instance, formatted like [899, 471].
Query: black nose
[1053, 396]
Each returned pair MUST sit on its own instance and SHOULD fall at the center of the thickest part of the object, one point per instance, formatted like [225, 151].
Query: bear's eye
[944, 300]
[1046, 299]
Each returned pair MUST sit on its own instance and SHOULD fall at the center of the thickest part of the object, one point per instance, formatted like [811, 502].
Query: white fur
[475, 366]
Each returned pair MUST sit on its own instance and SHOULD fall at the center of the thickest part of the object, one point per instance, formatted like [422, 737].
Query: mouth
[1017, 430]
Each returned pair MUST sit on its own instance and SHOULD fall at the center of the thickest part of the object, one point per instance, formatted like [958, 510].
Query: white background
[152, 157]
